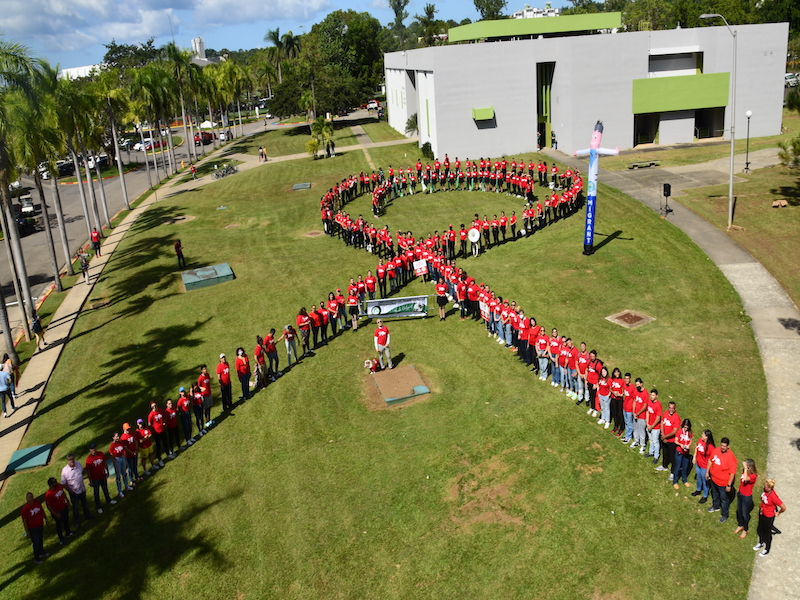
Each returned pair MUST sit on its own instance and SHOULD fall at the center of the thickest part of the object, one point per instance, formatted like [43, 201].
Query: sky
[71, 33]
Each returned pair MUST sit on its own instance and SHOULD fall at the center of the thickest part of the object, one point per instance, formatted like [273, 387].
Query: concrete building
[519, 78]
[532, 12]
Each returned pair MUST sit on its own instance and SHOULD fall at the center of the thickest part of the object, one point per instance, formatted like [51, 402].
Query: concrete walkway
[776, 326]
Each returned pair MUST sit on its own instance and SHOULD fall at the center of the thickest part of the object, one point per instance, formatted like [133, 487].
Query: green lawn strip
[770, 234]
[108, 172]
[689, 154]
[479, 490]
[290, 141]
[207, 167]
[381, 132]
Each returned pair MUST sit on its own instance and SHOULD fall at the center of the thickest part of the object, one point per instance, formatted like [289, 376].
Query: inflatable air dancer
[591, 199]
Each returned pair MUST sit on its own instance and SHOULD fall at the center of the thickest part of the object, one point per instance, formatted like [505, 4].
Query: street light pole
[748, 114]
[733, 113]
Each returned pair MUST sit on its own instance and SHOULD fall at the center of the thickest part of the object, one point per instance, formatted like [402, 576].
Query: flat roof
[507, 28]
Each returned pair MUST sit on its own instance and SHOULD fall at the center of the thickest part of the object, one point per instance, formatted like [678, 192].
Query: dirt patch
[630, 319]
[232, 226]
[313, 234]
[399, 376]
[487, 493]
[176, 220]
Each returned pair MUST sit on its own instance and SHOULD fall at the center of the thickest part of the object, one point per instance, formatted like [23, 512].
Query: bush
[427, 151]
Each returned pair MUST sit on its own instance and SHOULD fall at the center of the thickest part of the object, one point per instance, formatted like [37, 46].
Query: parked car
[26, 204]
[373, 105]
[204, 137]
[102, 160]
[791, 80]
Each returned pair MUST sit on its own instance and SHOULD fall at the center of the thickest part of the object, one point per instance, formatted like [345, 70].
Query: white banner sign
[410, 306]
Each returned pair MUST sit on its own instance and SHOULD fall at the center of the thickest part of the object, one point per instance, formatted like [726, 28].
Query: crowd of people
[637, 415]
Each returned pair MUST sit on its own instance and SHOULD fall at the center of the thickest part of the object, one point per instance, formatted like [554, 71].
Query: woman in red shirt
[744, 499]
[771, 507]
[304, 325]
[617, 391]
[316, 323]
[324, 316]
[702, 452]
[604, 394]
[683, 442]
[441, 297]
[243, 371]
[33, 520]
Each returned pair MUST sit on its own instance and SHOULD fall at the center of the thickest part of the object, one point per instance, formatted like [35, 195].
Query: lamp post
[748, 114]
[733, 112]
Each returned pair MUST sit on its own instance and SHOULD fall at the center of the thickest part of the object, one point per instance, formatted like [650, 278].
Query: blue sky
[72, 32]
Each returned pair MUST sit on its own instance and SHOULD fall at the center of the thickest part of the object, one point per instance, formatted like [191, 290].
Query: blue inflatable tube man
[591, 200]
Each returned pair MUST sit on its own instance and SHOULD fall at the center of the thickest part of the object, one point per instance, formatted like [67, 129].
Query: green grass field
[494, 487]
[379, 131]
[291, 140]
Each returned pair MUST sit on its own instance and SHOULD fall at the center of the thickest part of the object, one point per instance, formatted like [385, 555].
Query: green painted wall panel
[539, 26]
[483, 114]
[684, 92]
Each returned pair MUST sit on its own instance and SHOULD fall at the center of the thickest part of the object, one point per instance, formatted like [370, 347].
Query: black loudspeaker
[667, 190]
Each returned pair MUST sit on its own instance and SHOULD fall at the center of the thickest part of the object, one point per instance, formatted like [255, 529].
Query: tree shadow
[791, 324]
[790, 194]
[141, 541]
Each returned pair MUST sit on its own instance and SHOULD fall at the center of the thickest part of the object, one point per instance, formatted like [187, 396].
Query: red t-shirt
[224, 373]
[381, 335]
[258, 351]
[204, 381]
[96, 466]
[604, 386]
[722, 466]
[616, 387]
[370, 282]
[593, 371]
[145, 437]
[746, 489]
[56, 499]
[303, 322]
[683, 438]
[117, 449]
[184, 404]
[703, 452]
[583, 362]
[243, 365]
[33, 514]
[441, 289]
[640, 400]
[129, 439]
[171, 418]
[669, 423]
[654, 410]
[156, 420]
[769, 502]
[628, 394]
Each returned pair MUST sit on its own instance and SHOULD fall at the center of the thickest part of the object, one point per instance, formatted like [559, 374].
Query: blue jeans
[3, 394]
[681, 470]
[563, 375]
[508, 334]
[37, 539]
[655, 442]
[721, 499]
[121, 467]
[245, 381]
[628, 416]
[605, 408]
[573, 380]
[702, 482]
[556, 373]
[583, 392]
[543, 363]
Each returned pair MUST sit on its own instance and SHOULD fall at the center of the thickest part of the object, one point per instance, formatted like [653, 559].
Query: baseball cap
[181, 389]
[222, 355]
[139, 422]
[126, 426]
[92, 446]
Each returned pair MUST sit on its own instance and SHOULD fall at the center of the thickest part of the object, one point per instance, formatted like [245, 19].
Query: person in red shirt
[722, 467]
[382, 339]
[243, 372]
[185, 415]
[95, 237]
[144, 441]
[604, 397]
[204, 383]
[628, 392]
[654, 417]
[117, 452]
[303, 322]
[670, 424]
[171, 419]
[98, 476]
[157, 423]
[224, 379]
[554, 347]
[198, 408]
[33, 520]
[640, 399]
[179, 254]
[617, 389]
[260, 357]
[542, 350]
[592, 379]
[131, 452]
[702, 453]
[683, 445]
[771, 507]
[370, 282]
[57, 501]
[744, 499]
[441, 297]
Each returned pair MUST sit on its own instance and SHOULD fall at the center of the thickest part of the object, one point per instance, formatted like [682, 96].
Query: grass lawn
[379, 131]
[494, 487]
[291, 140]
[110, 171]
[770, 234]
[690, 154]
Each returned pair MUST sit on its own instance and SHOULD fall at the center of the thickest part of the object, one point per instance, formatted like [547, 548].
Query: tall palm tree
[291, 45]
[109, 85]
[177, 62]
[16, 72]
[274, 37]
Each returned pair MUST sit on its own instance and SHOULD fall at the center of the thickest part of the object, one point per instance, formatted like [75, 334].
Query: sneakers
[661, 468]
[712, 509]
[635, 444]
[703, 500]
[624, 440]
[171, 455]
[607, 425]
[696, 492]
[601, 422]
[147, 472]
[763, 553]
[589, 412]
[35, 560]
[114, 501]
[154, 467]
[120, 495]
[758, 546]
[655, 461]
[160, 463]
[594, 413]
[129, 489]
[99, 511]
[649, 455]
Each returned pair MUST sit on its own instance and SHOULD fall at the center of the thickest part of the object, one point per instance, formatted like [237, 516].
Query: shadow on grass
[610, 237]
[790, 194]
[123, 553]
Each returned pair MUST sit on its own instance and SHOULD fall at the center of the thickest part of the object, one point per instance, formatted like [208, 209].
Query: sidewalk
[775, 321]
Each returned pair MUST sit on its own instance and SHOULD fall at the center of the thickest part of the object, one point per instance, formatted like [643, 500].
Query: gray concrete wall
[592, 81]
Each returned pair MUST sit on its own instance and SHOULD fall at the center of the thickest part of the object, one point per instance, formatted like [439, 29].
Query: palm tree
[274, 37]
[16, 72]
[291, 45]
[322, 130]
[177, 61]
[109, 85]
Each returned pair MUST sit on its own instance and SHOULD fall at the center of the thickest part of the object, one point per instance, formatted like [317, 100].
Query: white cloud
[379, 4]
[233, 12]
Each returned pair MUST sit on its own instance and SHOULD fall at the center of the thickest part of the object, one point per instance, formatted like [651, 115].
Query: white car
[139, 146]
[372, 105]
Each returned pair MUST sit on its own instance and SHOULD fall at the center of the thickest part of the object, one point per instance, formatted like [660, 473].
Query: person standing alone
[382, 340]
[95, 237]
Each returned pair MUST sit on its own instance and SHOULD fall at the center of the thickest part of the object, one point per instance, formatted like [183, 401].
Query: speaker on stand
[667, 189]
